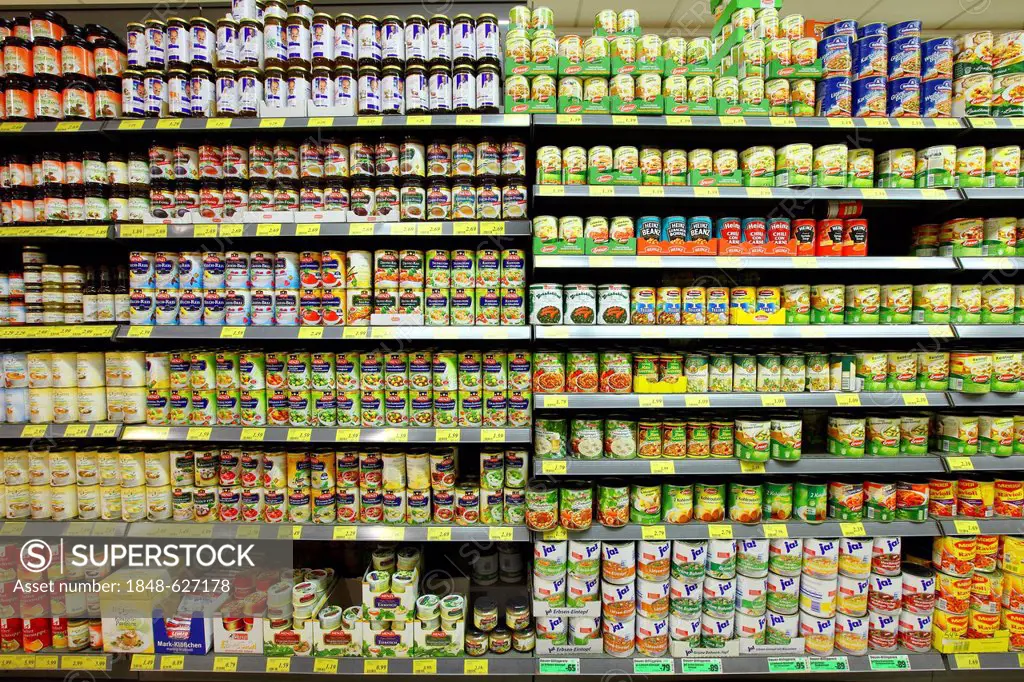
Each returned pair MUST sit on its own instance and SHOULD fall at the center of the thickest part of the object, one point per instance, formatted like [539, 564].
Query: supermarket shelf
[957, 464]
[50, 127]
[322, 435]
[839, 331]
[310, 122]
[734, 193]
[991, 263]
[55, 232]
[288, 531]
[367, 229]
[963, 526]
[989, 331]
[325, 333]
[986, 399]
[746, 262]
[988, 123]
[605, 120]
[506, 664]
[56, 332]
[627, 401]
[807, 464]
[33, 431]
[724, 530]
[48, 662]
[994, 194]
[50, 529]
[985, 662]
[750, 665]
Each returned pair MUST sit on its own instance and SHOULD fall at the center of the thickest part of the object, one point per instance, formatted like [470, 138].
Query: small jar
[133, 97]
[18, 98]
[297, 32]
[47, 101]
[46, 57]
[322, 87]
[52, 167]
[204, 42]
[155, 86]
[488, 89]
[275, 8]
[439, 41]
[250, 92]
[118, 203]
[76, 203]
[386, 199]
[76, 57]
[517, 614]
[368, 41]
[476, 642]
[156, 44]
[463, 199]
[250, 44]
[48, 23]
[305, 9]
[161, 199]
[345, 90]
[298, 86]
[439, 159]
[392, 91]
[369, 95]
[138, 168]
[439, 200]
[417, 49]
[94, 167]
[499, 640]
[138, 203]
[227, 93]
[211, 200]
[392, 41]
[488, 198]
[361, 198]
[96, 206]
[55, 204]
[513, 199]
[345, 45]
[274, 87]
[227, 43]
[108, 98]
[488, 40]
[464, 89]
[17, 54]
[108, 56]
[117, 169]
[417, 93]
[322, 40]
[412, 199]
[275, 43]
[186, 198]
[412, 158]
[179, 43]
[524, 641]
[439, 89]
[463, 40]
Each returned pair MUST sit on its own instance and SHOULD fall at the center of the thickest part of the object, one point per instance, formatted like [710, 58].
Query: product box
[794, 71]
[559, 247]
[944, 644]
[654, 107]
[531, 68]
[387, 604]
[237, 635]
[723, 17]
[190, 631]
[614, 177]
[125, 629]
[671, 67]
[342, 641]
[658, 247]
[291, 641]
[790, 249]
[726, 109]
[709, 108]
[598, 67]
[575, 105]
[734, 179]
[387, 643]
[546, 647]
[529, 106]
[439, 642]
[611, 247]
[619, 66]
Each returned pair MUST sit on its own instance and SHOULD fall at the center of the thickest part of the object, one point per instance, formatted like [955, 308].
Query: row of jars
[274, 37]
[330, 158]
[52, 167]
[409, 199]
[208, 92]
[88, 203]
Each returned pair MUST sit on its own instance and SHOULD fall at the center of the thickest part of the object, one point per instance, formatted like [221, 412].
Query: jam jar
[439, 40]
[417, 50]
[368, 100]
[76, 58]
[386, 199]
[417, 93]
[345, 40]
[108, 98]
[392, 41]
[47, 103]
[368, 41]
[463, 40]
[361, 198]
[46, 57]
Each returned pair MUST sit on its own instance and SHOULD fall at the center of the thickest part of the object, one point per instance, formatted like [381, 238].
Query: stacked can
[936, 77]
[125, 377]
[834, 96]
[972, 74]
[818, 595]
[782, 590]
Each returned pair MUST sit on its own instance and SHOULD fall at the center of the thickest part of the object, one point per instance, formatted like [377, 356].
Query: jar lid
[154, 23]
[367, 17]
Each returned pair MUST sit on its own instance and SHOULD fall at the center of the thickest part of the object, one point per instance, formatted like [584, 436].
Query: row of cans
[421, 370]
[380, 269]
[969, 237]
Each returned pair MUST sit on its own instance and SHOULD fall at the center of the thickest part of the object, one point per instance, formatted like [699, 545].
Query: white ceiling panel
[995, 14]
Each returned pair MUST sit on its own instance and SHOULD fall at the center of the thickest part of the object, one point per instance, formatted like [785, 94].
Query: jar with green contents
[586, 437]
[846, 436]
[872, 371]
[794, 373]
[619, 438]
[549, 438]
[644, 503]
[720, 373]
[778, 501]
[883, 434]
[753, 440]
[902, 371]
[810, 501]
[769, 373]
[744, 373]
[914, 434]
[786, 438]
[722, 436]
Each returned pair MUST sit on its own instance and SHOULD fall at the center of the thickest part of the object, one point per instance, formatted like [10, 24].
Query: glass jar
[345, 50]
[322, 40]
[412, 199]
[108, 98]
[227, 43]
[18, 99]
[464, 89]
[439, 200]
[274, 87]
[439, 41]
[463, 40]
[369, 95]
[46, 57]
[392, 90]
[361, 198]
[336, 196]
[298, 86]
[275, 43]
[236, 197]
[118, 203]
[260, 196]
[386, 199]
[417, 93]
[392, 41]
[286, 195]
[47, 104]
[439, 89]
[488, 89]
[297, 32]
[311, 195]
[204, 35]
[250, 44]
[368, 41]
[488, 40]
[76, 57]
[417, 49]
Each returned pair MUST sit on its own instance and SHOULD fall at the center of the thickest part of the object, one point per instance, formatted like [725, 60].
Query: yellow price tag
[33, 431]
[69, 127]
[130, 124]
[557, 534]
[253, 435]
[933, 194]
[13, 527]
[940, 331]
[355, 332]
[773, 401]
[852, 530]
[218, 123]
[143, 662]
[279, 664]
[960, 463]
[475, 666]
[448, 435]
[751, 467]
[663, 468]
[247, 532]
[967, 528]
[289, 533]
[601, 191]
[915, 399]
[720, 531]
[678, 121]
[462, 228]
[983, 122]
[419, 120]
[268, 230]
[967, 661]
[554, 467]
[652, 532]
[83, 662]
[492, 435]
[840, 123]
[299, 435]
[311, 332]
[652, 192]
[500, 534]
[877, 123]
[697, 401]
[396, 435]
[206, 231]
[909, 123]
[655, 401]
[759, 192]
[13, 127]
[232, 332]
[345, 533]
[225, 664]
[325, 665]
[706, 192]
[551, 191]
[429, 229]
[732, 121]
[320, 122]
[232, 230]
[874, 193]
[439, 534]
[199, 433]
[947, 123]
[347, 435]
[555, 401]
[424, 666]
[624, 120]
[104, 430]
[17, 662]
[568, 120]
[782, 122]
[847, 399]
[307, 230]
[775, 530]
[272, 123]
[168, 124]
[468, 120]
[172, 662]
